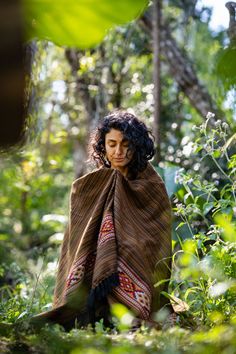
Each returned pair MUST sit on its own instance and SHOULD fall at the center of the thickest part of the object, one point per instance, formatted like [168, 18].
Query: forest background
[170, 70]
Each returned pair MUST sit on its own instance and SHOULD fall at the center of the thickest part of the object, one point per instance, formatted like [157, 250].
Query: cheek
[109, 151]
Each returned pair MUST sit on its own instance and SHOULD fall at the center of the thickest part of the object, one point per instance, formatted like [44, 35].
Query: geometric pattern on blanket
[132, 291]
[106, 232]
[84, 264]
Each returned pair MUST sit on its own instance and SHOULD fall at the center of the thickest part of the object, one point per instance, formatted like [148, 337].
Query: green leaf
[168, 175]
[207, 207]
[225, 66]
[4, 237]
[180, 225]
[161, 282]
[164, 293]
[198, 149]
[80, 23]
[119, 310]
[192, 290]
[216, 153]
[186, 197]
[229, 228]
[229, 142]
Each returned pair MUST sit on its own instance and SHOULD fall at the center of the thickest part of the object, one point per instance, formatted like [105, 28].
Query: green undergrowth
[202, 287]
[220, 339]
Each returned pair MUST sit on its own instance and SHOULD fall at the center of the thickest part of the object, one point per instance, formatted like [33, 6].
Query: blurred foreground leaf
[229, 229]
[123, 315]
[226, 68]
[77, 23]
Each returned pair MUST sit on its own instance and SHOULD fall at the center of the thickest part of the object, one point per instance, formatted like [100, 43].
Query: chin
[119, 164]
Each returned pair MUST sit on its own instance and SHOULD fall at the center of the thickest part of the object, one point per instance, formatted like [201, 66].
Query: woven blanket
[118, 242]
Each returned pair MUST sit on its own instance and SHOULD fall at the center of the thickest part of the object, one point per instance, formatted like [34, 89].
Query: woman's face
[117, 153]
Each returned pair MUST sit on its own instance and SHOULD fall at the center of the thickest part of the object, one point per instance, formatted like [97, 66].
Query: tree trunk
[156, 25]
[80, 153]
[12, 81]
[180, 67]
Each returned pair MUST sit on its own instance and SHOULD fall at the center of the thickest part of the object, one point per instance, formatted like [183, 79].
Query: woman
[118, 241]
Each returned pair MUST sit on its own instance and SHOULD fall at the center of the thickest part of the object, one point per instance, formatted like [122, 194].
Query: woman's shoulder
[93, 177]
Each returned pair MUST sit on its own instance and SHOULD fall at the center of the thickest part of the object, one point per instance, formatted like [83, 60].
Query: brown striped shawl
[118, 241]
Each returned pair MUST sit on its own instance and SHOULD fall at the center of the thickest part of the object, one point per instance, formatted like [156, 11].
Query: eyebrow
[115, 141]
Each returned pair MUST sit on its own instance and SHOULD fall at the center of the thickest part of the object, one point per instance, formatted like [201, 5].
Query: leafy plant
[205, 265]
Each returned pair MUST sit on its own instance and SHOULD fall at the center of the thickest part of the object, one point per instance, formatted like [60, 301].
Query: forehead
[115, 134]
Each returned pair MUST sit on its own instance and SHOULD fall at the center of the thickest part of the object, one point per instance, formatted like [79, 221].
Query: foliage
[50, 340]
[35, 185]
[64, 22]
[205, 265]
[225, 67]
[211, 193]
[204, 272]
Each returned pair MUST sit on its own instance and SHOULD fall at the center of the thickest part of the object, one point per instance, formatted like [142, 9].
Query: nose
[119, 150]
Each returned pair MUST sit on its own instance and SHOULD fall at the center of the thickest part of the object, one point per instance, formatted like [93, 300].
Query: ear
[107, 162]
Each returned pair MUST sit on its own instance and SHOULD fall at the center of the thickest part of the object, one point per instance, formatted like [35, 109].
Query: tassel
[100, 292]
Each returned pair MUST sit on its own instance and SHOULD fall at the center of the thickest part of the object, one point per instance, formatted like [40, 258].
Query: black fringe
[99, 294]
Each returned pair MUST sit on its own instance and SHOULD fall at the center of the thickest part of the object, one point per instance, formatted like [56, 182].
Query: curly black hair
[141, 140]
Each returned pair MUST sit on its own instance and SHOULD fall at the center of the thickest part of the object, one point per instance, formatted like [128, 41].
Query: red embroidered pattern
[77, 272]
[132, 291]
[106, 230]
[85, 264]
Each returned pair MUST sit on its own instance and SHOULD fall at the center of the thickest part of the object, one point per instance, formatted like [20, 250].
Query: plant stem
[221, 170]
[189, 227]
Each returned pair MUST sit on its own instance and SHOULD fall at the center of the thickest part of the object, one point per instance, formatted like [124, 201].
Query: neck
[123, 170]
